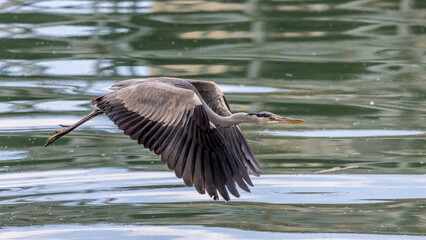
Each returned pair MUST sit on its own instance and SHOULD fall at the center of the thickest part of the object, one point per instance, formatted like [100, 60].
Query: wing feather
[230, 184]
[198, 171]
[188, 169]
[218, 179]
[209, 176]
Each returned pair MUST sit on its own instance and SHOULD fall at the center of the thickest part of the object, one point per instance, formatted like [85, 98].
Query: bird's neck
[226, 121]
[232, 120]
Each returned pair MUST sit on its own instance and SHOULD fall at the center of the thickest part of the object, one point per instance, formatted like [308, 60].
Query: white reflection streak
[130, 231]
[98, 186]
[248, 89]
[189, 232]
[74, 31]
[69, 67]
[10, 123]
[164, 195]
[81, 177]
[338, 133]
[64, 31]
[86, 7]
[12, 154]
[21, 175]
[71, 105]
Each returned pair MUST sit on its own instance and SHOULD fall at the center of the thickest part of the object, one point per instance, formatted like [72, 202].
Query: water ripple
[344, 133]
[189, 232]
[112, 186]
[12, 155]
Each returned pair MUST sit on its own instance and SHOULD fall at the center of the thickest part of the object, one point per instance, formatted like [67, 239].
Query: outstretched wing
[172, 122]
[214, 97]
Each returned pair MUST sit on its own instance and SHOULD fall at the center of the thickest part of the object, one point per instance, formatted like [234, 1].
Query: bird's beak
[289, 120]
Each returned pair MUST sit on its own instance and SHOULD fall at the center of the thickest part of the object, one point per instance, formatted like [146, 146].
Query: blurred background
[355, 70]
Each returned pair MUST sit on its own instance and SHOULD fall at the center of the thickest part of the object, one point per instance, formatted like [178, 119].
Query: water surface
[355, 70]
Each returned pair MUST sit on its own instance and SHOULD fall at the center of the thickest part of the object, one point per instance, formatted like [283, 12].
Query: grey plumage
[167, 116]
[190, 124]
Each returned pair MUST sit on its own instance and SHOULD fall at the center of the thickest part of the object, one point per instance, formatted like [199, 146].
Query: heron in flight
[190, 124]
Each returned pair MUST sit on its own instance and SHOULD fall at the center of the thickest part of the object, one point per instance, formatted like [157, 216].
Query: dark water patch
[32, 18]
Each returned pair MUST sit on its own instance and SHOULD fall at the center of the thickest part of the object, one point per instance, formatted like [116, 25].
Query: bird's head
[267, 117]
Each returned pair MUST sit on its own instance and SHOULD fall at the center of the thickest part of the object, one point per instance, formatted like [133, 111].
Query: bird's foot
[64, 128]
[56, 134]
[68, 128]
[58, 131]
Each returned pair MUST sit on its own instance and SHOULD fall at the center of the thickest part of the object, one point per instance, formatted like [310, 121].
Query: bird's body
[189, 123]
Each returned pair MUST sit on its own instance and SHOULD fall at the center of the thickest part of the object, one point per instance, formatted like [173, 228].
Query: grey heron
[190, 124]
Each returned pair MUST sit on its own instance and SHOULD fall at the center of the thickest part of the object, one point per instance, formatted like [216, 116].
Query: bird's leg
[67, 129]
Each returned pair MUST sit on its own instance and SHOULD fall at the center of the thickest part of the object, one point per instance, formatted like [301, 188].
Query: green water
[355, 70]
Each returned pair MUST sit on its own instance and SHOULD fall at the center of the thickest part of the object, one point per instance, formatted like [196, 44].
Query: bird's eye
[271, 118]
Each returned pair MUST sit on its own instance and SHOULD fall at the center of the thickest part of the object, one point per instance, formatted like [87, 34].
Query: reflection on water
[95, 195]
[103, 186]
[6, 155]
[172, 232]
[334, 133]
[353, 69]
